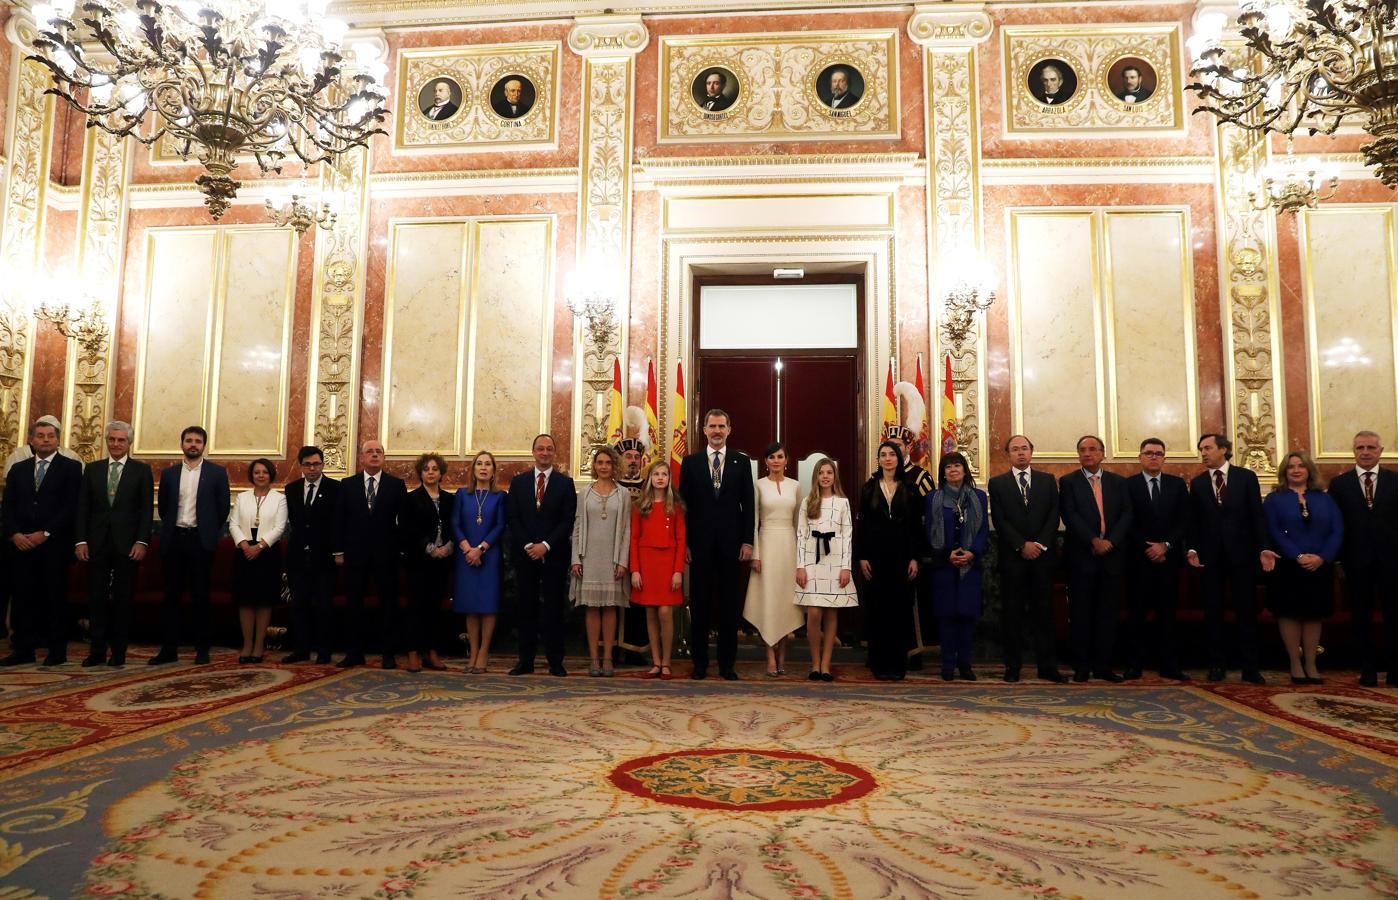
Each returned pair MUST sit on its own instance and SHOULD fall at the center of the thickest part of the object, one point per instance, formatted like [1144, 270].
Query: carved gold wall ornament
[1087, 64]
[478, 97]
[787, 86]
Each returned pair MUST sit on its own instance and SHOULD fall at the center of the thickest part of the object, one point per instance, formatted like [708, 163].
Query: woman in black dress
[888, 541]
[426, 529]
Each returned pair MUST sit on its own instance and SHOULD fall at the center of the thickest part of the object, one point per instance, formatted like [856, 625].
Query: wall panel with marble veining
[173, 353]
[466, 335]
[1149, 315]
[1055, 332]
[1351, 300]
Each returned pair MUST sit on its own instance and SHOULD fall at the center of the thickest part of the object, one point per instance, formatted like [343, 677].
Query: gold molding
[337, 316]
[380, 180]
[1310, 302]
[87, 397]
[889, 222]
[1100, 162]
[805, 159]
[22, 230]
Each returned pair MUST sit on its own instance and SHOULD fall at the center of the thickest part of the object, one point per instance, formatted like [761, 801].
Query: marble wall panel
[511, 327]
[1350, 292]
[173, 352]
[1054, 328]
[424, 337]
[248, 408]
[828, 212]
[1150, 332]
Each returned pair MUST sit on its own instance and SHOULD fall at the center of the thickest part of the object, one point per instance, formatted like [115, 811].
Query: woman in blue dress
[958, 532]
[477, 524]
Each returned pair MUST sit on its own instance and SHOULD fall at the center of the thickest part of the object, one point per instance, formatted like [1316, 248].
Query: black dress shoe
[1369, 679]
[1080, 676]
[116, 661]
[1109, 676]
[1132, 674]
[389, 663]
[968, 674]
[729, 675]
[201, 658]
[297, 657]
[826, 676]
[521, 669]
[54, 660]
[1252, 676]
[896, 676]
[93, 660]
[881, 676]
[163, 657]
[1012, 676]
[349, 662]
[699, 674]
[17, 659]
[1314, 680]
[1299, 679]
[814, 676]
[557, 670]
[1217, 675]
[322, 659]
[1053, 676]
[433, 667]
[244, 660]
[950, 675]
[1174, 675]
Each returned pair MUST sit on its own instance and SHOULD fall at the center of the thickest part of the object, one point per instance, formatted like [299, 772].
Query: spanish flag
[652, 420]
[890, 402]
[918, 452]
[614, 428]
[679, 440]
[948, 412]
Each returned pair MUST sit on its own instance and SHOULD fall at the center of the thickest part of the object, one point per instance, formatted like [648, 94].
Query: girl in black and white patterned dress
[824, 557]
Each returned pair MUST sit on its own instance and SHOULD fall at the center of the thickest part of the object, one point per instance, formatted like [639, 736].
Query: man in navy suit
[540, 509]
[115, 510]
[1228, 542]
[1368, 499]
[1097, 519]
[41, 499]
[310, 565]
[1154, 558]
[194, 504]
[716, 486]
[366, 544]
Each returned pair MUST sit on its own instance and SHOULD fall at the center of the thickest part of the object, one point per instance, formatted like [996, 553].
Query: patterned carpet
[305, 782]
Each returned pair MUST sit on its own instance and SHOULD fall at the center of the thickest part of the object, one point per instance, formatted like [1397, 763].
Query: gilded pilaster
[102, 238]
[950, 33]
[29, 133]
[608, 46]
[337, 306]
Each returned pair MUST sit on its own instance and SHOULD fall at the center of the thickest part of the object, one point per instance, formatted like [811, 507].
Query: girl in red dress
[657, 562]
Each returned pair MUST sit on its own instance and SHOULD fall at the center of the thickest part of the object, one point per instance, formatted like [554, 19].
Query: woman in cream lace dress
[771, 599]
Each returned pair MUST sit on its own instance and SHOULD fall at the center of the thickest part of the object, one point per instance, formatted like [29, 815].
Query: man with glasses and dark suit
[310, 565]
[1154, 559]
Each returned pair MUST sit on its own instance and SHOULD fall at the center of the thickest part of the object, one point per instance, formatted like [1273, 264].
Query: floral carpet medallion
[629, 793]
[1373, 718]
[184, 690]
[770, 780]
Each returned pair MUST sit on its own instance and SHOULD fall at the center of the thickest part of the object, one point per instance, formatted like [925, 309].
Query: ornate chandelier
[223, 78]
[1291, 184]
[1307, 66]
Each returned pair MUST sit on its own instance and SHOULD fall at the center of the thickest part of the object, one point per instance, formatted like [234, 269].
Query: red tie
[539, 491]
[1369, 489]
[1219, 487]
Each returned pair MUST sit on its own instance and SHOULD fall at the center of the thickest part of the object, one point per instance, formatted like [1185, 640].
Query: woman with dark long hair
[888, 541]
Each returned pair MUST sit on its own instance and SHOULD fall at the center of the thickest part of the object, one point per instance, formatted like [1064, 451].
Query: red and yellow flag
[948, 412]
[679, 441]
[890, 402]
[614, 427]
[918, 451]
[652, 404]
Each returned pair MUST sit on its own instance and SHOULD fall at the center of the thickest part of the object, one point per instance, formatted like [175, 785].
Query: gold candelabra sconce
[968, 296]
[82, 323]
[592, 299]
[299, 210]
[1293, 183]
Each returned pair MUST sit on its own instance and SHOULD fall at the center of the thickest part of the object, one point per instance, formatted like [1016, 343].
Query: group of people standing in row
[630, 540]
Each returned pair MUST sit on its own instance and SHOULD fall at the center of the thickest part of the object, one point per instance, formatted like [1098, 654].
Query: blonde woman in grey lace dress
[601, 552]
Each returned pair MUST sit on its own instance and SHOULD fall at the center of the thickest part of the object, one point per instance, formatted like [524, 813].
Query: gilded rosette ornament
[21, 226]
[951, 32]
[608, 46]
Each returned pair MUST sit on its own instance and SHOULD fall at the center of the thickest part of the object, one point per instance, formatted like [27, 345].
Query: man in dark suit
[310, 564]
[365, 542]
[1024, 510]
[194, 504]
[1132, 89]
[716, 486]
[1154, 557]
[1227, 542]
[41, 498]
[714, 98]
[1097, 518]
[1368, 499]
[539, 510]
[441, 108]
[115, 512]
[511, 105]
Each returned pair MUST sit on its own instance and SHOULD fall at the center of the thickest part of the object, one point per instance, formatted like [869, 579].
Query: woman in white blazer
[256, 525]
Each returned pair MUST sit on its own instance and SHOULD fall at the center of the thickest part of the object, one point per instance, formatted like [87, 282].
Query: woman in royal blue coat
[958, 532]
[1306, 531]
[477, 527]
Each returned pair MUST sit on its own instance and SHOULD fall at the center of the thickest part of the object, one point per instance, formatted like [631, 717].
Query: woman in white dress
[824, 555]
[771, 592]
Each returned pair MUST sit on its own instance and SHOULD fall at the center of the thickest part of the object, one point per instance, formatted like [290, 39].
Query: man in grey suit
[115, 512]
[1024, 510]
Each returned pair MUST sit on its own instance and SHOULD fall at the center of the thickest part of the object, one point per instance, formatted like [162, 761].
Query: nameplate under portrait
[1091, 79]
[460, 99]
[757, 87]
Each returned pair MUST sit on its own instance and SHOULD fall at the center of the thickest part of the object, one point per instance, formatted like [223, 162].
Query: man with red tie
[1227, 542]
[540, 509]
[1368, 499]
